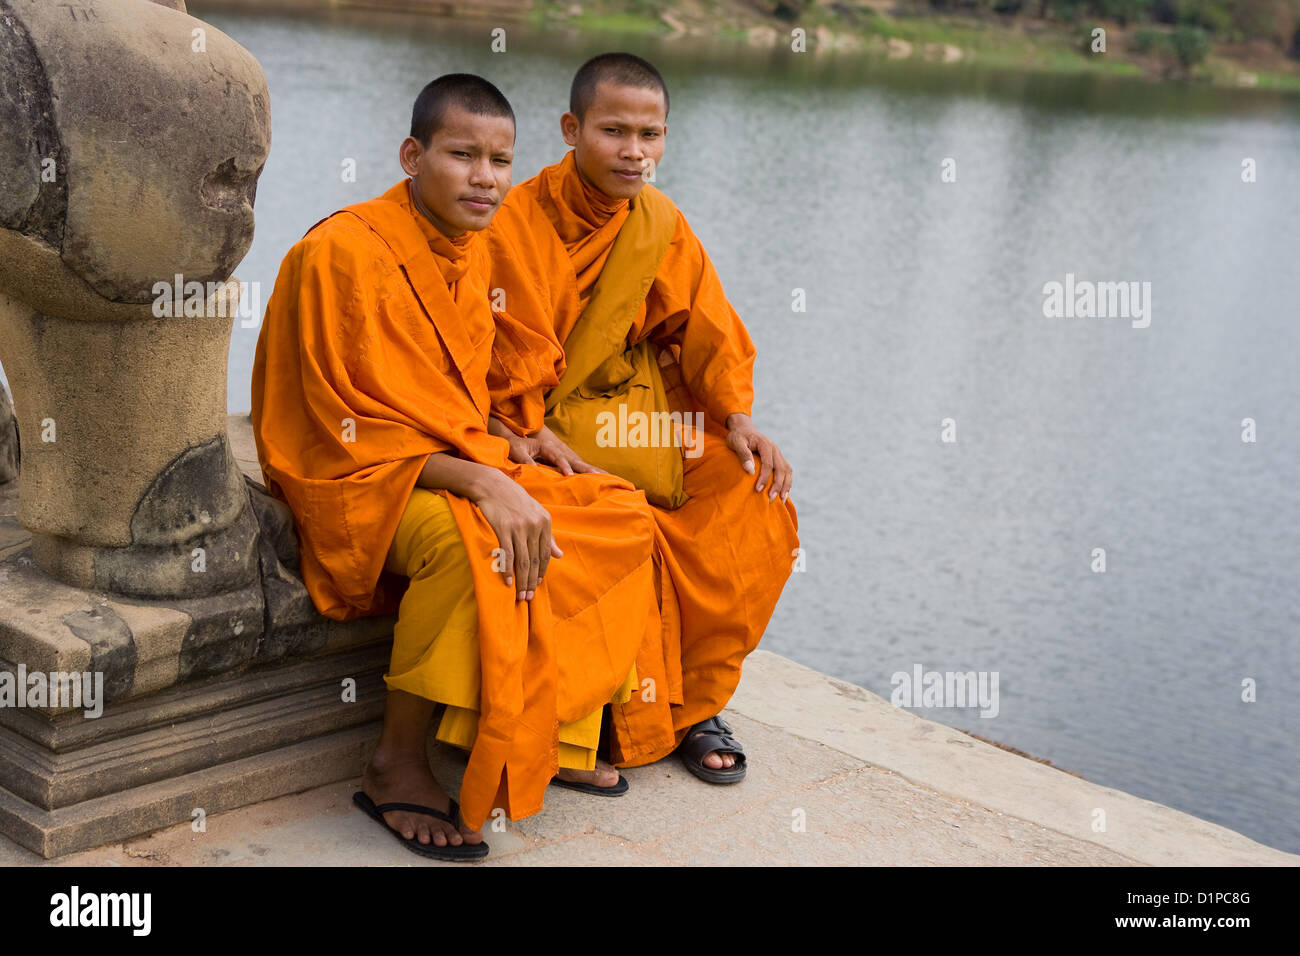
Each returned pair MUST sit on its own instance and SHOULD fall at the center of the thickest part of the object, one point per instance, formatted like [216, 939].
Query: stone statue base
[206, 704]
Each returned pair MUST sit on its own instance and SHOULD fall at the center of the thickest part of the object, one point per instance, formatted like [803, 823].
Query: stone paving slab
[876, 786]
[873, 817]
[806, 703]
[665, 799]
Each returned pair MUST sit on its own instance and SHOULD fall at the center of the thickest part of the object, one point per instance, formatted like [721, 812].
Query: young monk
[529, 592]
[590, 254]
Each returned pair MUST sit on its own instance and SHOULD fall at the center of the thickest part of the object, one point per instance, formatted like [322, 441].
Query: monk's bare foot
[389, 779]
[603, 776]
[716, 761]
[711, 752]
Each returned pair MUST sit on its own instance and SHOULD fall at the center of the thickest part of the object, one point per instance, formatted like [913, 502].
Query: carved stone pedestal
[208, 704]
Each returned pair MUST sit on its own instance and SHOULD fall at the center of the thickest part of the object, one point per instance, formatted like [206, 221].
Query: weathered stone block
[117, 180]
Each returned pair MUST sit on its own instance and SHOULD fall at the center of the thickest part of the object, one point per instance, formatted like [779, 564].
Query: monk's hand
[747, 441]
[523, 530]
[523, 449]
[550, 449]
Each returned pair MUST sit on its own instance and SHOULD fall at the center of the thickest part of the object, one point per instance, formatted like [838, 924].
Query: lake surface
[924, 303]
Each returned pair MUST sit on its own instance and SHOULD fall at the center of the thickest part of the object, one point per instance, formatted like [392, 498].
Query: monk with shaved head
[654, 383]
[523, 595]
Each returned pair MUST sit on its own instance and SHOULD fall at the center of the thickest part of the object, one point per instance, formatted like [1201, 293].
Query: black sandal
[712, 736]
[465, 853]
[617, 790]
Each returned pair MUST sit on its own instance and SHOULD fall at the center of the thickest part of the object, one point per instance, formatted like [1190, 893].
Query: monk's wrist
[736, 420]
[500, 428]
[484, 482]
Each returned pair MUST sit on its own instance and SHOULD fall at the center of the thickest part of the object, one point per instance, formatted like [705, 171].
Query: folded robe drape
[373, 354]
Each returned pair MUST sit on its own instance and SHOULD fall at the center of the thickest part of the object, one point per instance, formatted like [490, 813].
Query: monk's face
[460, 178]
[620, 140]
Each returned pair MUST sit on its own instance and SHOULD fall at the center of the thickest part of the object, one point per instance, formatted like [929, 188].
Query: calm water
[924, 302]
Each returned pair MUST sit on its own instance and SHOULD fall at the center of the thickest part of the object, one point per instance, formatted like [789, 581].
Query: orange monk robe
[373, 355]
[725, 555]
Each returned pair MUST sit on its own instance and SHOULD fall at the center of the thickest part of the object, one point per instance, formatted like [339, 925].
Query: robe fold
[374, 354]
[724, 556]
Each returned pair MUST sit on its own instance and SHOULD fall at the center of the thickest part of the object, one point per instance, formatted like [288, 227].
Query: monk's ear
[409, 154]
[569, 124]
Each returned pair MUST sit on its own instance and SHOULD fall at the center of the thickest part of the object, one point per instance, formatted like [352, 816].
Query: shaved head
[471, 93]
[620, 69]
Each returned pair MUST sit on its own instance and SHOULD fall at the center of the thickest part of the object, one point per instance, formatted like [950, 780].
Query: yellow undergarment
[435, 640]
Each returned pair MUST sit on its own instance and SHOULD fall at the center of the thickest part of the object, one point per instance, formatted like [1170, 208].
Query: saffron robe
[373, 355]
[724, 556]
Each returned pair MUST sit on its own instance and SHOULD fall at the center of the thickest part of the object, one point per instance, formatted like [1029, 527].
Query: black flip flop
[617, 790]
[465, 853]
[714, 736]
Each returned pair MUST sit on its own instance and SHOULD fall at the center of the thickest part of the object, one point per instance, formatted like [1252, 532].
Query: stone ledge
[876, 786]
[193, 688]
[237, 784]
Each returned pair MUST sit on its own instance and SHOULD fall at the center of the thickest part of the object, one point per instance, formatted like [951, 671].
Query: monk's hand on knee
[523, 530]
[546, 549]
[739, 432]
[523, 565]
[775, 474]
[782, 475]
[537, 540]
[539, 555]
[523, 449]
[552, 450]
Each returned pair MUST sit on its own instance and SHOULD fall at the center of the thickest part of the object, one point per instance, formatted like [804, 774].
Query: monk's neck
[597, 196]
[416, 204]
[579, 204]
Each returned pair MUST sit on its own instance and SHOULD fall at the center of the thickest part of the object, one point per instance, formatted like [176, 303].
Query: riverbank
[879, 29]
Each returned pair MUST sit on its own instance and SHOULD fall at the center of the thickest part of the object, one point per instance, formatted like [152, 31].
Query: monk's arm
[687, 308]
[522, 525]
[691, 312]
[462, 477]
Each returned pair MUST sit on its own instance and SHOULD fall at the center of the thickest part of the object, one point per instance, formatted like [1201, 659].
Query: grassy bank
[915, 30]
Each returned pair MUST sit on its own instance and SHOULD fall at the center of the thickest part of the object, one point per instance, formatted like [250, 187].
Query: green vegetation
[1228, 21]
[1216, 41]
[1179, 35]
[1187, 44]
